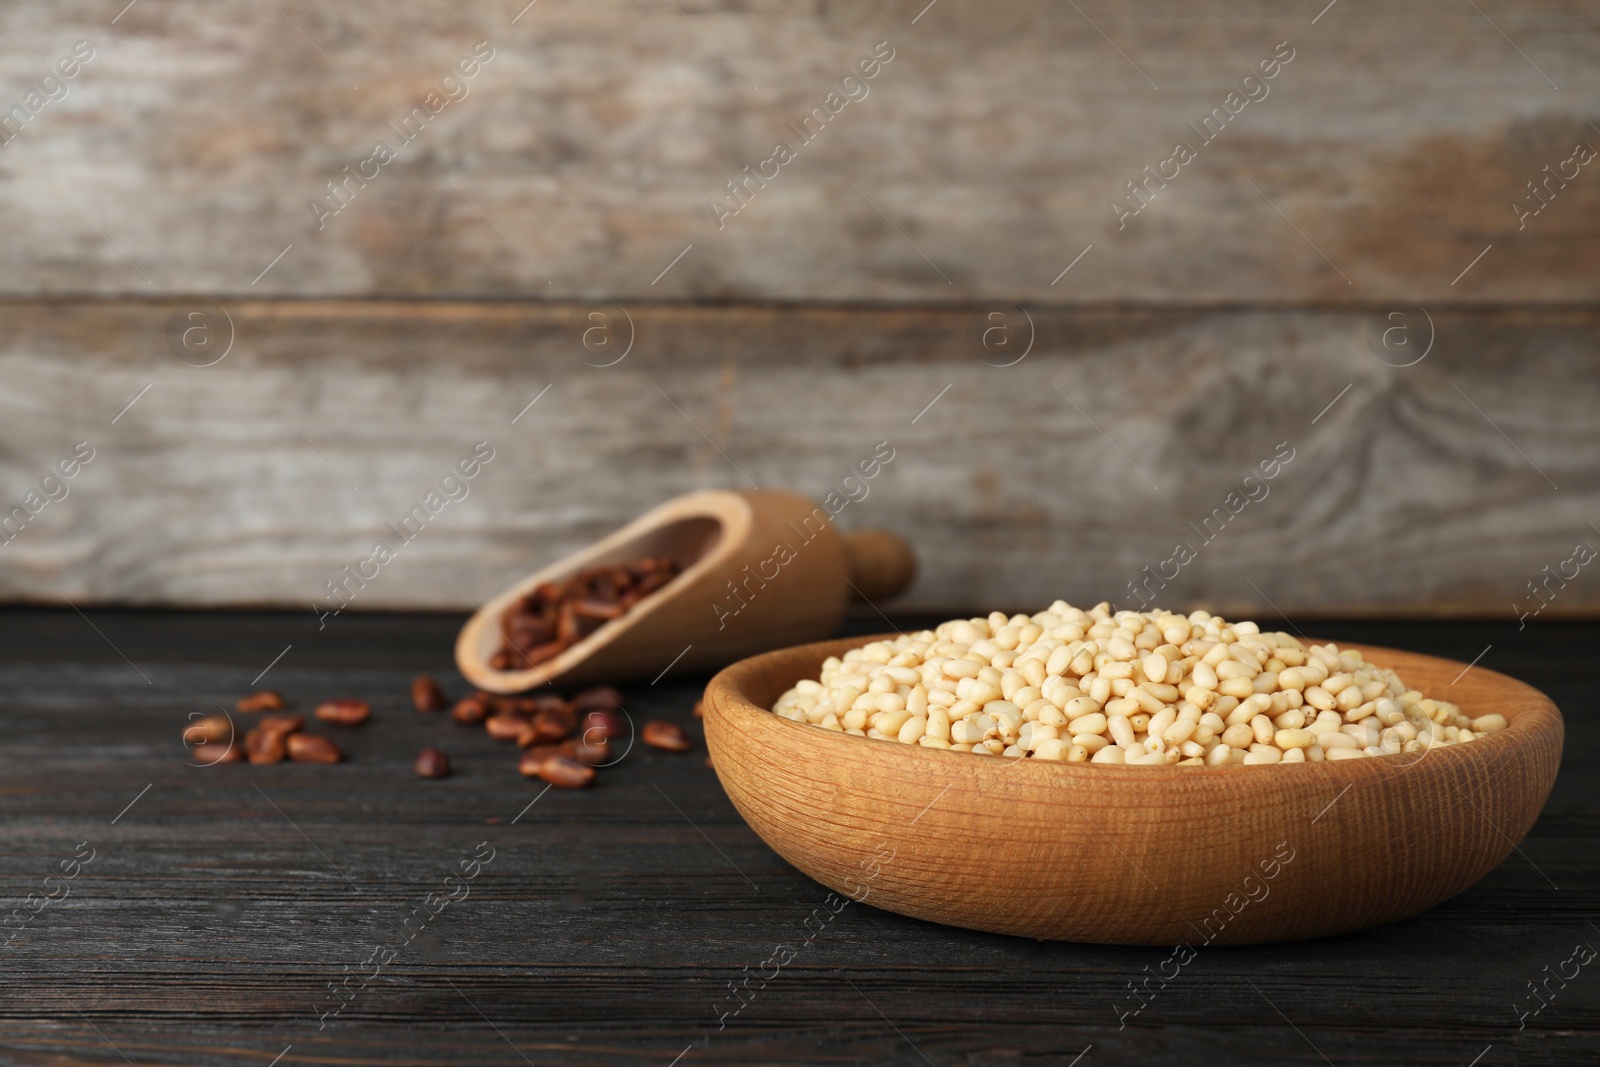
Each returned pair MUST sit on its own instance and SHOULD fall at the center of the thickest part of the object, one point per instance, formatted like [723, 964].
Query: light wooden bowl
[760, 569]
[1135, 855]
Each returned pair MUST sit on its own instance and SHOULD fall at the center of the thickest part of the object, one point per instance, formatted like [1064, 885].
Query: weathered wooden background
[909, 253]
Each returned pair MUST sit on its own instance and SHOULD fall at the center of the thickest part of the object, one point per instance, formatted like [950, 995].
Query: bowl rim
[1534, 713]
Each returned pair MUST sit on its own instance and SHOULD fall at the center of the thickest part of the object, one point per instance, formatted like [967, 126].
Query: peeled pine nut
[1094, 723]
[1051, 748]
[1294, 739]
[1121, 730]
[1140, 688]
[1263, 729]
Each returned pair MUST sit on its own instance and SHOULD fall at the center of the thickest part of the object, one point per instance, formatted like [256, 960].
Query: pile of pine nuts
[1149, 688]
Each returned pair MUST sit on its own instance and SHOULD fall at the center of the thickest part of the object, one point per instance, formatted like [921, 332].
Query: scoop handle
[881, 564]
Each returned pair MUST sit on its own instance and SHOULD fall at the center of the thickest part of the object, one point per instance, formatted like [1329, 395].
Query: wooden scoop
[759, 570]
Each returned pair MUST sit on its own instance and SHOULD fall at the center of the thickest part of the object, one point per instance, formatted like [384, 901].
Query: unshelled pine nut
[505, 727]
[604, 724]
[344, 711]
[470, 712]
[597, 698]
[262, 700]
[426, 695]
[595, 752]
[265, 746]
[309, 748]
[211, 728]
[209, 752]
[431, 763]
[564, 772]
[669, 737]
[281, 724]
[534, 756]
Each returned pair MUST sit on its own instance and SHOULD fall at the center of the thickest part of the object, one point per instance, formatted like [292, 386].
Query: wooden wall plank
[1442, 487]
[983, 158]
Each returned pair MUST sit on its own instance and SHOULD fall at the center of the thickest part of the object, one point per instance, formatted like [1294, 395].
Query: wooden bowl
[1135, 855]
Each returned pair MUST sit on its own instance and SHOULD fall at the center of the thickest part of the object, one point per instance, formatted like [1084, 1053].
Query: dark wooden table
[220, 903]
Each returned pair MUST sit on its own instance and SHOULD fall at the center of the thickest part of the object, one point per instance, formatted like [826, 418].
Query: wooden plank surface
[609, 924]
[1447, 486]
[1382, 159]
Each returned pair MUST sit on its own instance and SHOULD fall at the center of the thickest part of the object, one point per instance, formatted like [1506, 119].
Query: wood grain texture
[984, 157]
[1140, 856]
[611, 923]
[1422, 489]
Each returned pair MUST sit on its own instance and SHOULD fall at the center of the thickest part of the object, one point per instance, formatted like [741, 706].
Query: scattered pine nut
[667, 736]
[431, 763]
[344, 711]
[261, 700]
